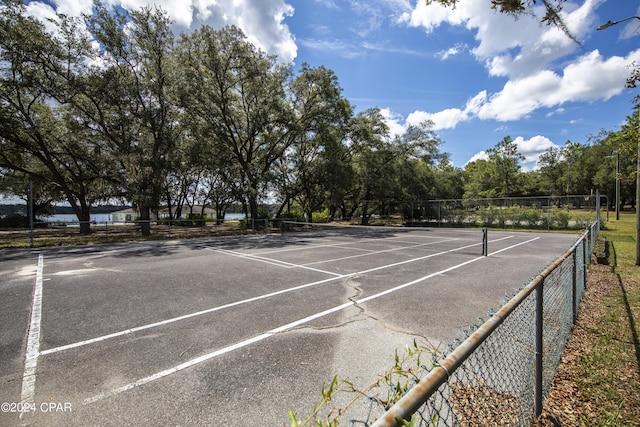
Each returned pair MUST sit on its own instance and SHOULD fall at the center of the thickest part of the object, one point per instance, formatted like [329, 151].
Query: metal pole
[618, 185]
[548, 213]
[638, 194]
[485, 242]
[597, 205]
[585, 260]
[30, 214]
[602, 27]
[574, 285]
[539, 347]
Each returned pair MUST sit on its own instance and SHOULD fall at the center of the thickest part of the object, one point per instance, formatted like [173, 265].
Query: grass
[70, 236]
[608, 374]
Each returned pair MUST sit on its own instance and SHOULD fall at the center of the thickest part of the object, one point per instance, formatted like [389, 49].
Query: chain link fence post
[539, 346]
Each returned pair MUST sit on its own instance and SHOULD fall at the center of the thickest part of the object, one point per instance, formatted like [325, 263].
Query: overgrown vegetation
[386, 389]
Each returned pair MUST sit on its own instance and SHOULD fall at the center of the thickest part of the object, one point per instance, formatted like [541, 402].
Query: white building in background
[126, 215]
[131, 214]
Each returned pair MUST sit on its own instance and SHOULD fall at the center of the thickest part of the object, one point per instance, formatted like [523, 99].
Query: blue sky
[478, 75]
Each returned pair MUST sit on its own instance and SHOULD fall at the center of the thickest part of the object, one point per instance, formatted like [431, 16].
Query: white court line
[271, 261]
[275, 331]
[369, 252]
[511, 247]
[306, 265]
[428, 256]
[380, 252]
[351, 242]
[33, 340]
[246, 301]
[188, 316]
[260, 337]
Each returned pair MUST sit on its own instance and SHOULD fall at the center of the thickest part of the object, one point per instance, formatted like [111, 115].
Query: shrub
[582, 220]
[531, 216]
[560, 218]
[292, 214]
[458, 216]
[491, 214]
[321, 216]
[14, 220]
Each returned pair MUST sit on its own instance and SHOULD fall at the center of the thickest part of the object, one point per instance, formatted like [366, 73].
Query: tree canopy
[115, 106]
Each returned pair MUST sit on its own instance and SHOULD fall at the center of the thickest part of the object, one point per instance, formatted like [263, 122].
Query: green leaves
[385, 391]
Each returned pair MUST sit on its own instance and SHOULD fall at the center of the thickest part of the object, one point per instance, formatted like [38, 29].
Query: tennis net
[345, 230]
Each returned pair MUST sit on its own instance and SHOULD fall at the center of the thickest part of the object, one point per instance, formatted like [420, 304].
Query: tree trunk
[82, 211]
[145, 220]
[253, 207]
[365, 213]
[85, 220]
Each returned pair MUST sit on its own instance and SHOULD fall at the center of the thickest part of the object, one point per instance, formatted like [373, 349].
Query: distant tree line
[114, 106]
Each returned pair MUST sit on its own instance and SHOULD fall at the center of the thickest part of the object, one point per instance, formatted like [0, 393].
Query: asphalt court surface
[237, 331]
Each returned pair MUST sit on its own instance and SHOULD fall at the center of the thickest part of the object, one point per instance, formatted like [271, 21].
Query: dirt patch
[479, 405]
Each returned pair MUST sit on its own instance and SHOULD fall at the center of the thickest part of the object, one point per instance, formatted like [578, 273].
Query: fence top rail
[584, 196]
[411, 402]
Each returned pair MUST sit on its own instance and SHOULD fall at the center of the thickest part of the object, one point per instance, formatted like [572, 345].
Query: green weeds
[385, 391]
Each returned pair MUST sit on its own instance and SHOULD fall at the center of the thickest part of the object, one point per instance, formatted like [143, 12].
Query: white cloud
[42, 12]
[74, 7]
[261, 21]
[336, 47]
[373, 13]
[329, 4]
[508, 46]
[530, 148]
[478, 156]
[590, 77]
[445, 119]
[394, 122]
[525, 51]
[555, 112]
[393, 49]
[632, 28]
[454, 50]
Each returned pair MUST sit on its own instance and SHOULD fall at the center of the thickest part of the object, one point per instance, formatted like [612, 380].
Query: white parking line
[33, 340]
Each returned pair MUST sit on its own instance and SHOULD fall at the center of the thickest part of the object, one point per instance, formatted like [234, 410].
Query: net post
[485, 242]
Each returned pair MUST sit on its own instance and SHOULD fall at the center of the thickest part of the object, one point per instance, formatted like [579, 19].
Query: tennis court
[238, 330]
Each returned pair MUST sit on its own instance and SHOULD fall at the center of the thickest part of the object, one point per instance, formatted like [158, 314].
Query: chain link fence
[546, 212]
[499, 372]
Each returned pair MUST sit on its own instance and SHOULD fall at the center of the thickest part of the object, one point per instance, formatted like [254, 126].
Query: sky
[478, 75]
